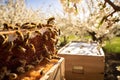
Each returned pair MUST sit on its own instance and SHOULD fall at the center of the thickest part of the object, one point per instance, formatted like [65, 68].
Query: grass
[72, 37]
[66, 39]
[113, 46]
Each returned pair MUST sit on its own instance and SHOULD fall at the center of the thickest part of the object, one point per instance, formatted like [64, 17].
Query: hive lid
[81, 48]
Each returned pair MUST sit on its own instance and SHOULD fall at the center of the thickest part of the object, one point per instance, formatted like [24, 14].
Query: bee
[33, 23]
[49, 56]
[47, 53]
[50, 29]
[55, 32]
[20, 69]
[53, 40]
[6, 26]
[44, 47]
[48, 25]
[55, 57]
[32, 47]
[13, 76]
[23, 62]
[45, 37]
[31, 26]
[39, 25]
[50, 20]
[41, 58]
[21, 49]
[3, 72]
[43, 25]
[5, 38]
[37, 61]
[20, 35]
[2, 39]
[29, 67]
[10, 27]
[26, 38]
[17, 26]
[26, 23]
[37, 31]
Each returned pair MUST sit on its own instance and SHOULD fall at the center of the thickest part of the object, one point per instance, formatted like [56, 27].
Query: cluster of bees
[24, 47]
[27, 25]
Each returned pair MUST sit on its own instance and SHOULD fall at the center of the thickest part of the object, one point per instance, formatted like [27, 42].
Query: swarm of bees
[32, 44]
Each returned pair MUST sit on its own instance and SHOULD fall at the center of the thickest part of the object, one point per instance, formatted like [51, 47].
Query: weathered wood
[57, 72]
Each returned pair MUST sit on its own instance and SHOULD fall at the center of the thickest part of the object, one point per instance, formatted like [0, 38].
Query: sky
[48, 6]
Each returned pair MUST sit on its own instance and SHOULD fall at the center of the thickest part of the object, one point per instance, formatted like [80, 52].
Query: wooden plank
[57, 72]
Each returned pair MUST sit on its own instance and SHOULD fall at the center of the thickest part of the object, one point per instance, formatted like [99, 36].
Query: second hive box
[83, 61]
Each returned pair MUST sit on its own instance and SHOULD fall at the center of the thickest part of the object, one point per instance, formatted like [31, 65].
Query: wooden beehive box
[83, 61]
[57, 72]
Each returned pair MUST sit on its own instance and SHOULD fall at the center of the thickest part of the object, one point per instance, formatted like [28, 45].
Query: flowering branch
[115, 7]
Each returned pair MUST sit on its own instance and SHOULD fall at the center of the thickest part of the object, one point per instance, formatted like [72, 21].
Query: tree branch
[115, 7]
[110, 14]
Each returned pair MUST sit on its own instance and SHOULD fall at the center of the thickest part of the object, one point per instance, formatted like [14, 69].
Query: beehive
[83, 61]
[25, 49]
